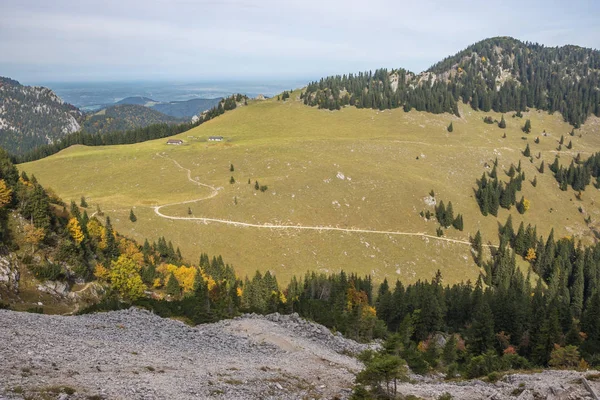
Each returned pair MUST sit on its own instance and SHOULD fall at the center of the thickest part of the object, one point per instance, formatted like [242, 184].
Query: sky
[204, 40]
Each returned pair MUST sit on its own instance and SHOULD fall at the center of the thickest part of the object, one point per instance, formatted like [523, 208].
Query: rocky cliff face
[9, 274]
[32, 116]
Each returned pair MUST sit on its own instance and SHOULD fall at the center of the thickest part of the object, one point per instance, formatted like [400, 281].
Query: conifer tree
[481, 334]
[478, 247]
[111, 250]
[527, 127]
[172, 287]
[231, 167]
[527, 151]
[450, 127]
[232, 180]
[502, 123]
[458, 222]
[83, 203]
[132, 216]
[448, 216]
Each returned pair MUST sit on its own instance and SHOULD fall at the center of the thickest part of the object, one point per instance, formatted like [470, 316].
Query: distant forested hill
[33, 116]
[125, 117]
[179, 109]
[188, 108]
[139, 100]
[501, 74]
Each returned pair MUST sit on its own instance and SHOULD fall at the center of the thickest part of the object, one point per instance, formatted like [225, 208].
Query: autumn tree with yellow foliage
[33, 235]
[125, 278]
[5, 194]
[75, 230]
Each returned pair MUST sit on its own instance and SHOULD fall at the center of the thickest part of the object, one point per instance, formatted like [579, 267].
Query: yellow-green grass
[390, 161]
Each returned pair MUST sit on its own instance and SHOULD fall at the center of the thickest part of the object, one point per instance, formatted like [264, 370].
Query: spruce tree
[450, 127]
[231, 167]
[527, 127]
[111, 250]
[232, 180]
[132, 216]
[458, 222]
[527, 151]
[502, 123]
[83, 203]
[448, 217]
[481, 333]
[173, 286]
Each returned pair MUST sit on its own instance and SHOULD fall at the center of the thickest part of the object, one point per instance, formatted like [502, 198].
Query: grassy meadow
[351, 168]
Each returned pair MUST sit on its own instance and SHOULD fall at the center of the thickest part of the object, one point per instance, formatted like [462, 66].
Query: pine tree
[231, 167]
[111, 250]
[502, 123]
[450, 127]
[570, 145]
[541, 168]
[481, 333]
[478, 247]
[132, 216]
[527, 127]
[527, 151]
[458, 222]
[83, 203]
[232, 180]
[534, 181]
[256, 185]
[173, 288]
[448, 217]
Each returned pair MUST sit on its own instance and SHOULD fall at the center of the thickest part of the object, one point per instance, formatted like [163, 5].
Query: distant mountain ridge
[138, 100]
[124, 117]
[501, 74]
[32, 116]
[179, 109]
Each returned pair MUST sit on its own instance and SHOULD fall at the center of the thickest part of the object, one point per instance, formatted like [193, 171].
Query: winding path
[215, 192]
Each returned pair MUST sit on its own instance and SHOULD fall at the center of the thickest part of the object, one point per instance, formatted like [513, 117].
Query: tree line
[560, 79]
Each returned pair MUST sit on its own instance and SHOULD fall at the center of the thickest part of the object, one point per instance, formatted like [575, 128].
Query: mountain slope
[501, 74]
[124, 117]
[356, 168]
[33, 116]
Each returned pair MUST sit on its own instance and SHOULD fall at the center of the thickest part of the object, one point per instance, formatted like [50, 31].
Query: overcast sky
[202, 40]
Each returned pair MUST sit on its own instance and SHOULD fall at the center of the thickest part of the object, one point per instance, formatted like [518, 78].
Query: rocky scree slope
[31, 116]
[134, 354]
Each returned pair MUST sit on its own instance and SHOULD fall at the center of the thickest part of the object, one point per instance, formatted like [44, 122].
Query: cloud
[269, 38]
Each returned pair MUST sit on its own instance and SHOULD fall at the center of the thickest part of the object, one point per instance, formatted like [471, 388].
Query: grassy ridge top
[353, 168]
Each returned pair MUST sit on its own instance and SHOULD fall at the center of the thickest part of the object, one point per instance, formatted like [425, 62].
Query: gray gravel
[134, 354]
